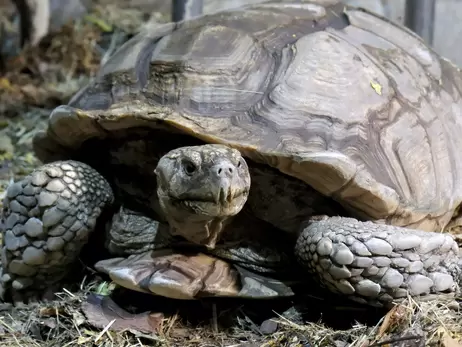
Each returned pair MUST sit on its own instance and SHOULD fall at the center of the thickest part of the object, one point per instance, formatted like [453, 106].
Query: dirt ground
[84, 314]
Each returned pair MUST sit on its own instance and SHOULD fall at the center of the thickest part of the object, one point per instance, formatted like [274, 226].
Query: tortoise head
[200, 188]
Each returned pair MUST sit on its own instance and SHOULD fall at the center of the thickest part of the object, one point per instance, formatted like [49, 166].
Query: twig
[398, 339]
[104, 330]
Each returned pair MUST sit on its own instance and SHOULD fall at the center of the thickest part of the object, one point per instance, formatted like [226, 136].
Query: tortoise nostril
[225, 170]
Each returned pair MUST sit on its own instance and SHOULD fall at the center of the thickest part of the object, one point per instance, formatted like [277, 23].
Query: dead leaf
[447, 340]
[393, 318]
[101, 310]
[51, 311]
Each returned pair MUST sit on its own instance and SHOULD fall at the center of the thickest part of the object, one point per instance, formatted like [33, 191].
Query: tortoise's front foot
[48, 217]
[375, 263]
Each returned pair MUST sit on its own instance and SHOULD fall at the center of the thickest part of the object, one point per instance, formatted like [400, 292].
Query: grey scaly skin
[48, 217]
[50, 214]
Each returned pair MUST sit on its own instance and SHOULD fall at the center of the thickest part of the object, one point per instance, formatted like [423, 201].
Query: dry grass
[62, 323]
[48, 75]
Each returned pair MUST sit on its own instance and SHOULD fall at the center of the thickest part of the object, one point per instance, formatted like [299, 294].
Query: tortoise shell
[354, 105]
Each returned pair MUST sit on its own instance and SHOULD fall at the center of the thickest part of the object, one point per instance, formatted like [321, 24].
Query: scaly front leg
[375, 263]
[48, 217]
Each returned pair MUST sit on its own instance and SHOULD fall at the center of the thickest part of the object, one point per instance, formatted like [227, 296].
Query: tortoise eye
[189, 167]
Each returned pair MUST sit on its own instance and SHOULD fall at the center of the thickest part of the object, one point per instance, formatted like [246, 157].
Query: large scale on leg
[352, 160]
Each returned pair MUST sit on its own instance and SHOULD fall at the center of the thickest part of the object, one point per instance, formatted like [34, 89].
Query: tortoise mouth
[222, 197]
[223, 204]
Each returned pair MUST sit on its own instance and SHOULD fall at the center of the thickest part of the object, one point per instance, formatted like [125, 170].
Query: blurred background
[439, 21]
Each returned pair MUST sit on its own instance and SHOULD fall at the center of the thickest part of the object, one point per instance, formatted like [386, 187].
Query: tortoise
[239, 152]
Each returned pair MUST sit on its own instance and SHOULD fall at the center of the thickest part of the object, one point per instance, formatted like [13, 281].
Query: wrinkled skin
[200, 189]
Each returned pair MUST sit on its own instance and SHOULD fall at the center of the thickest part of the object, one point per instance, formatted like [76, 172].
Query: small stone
[55, 186]
[419, 284]
[392, 279]
[339, 272]
[367, 288]
[382, 261]
[378, 247]
[324, 247]
[47, 198]
[431, 243]
[415, 266]
[34, 256]
[342, 255]
[39, 178]
[67, 179]
[14, 190]
[268, 327]
[72, 187]
[404, 241]
[362, 262]
[442, 282]
[34, 227]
